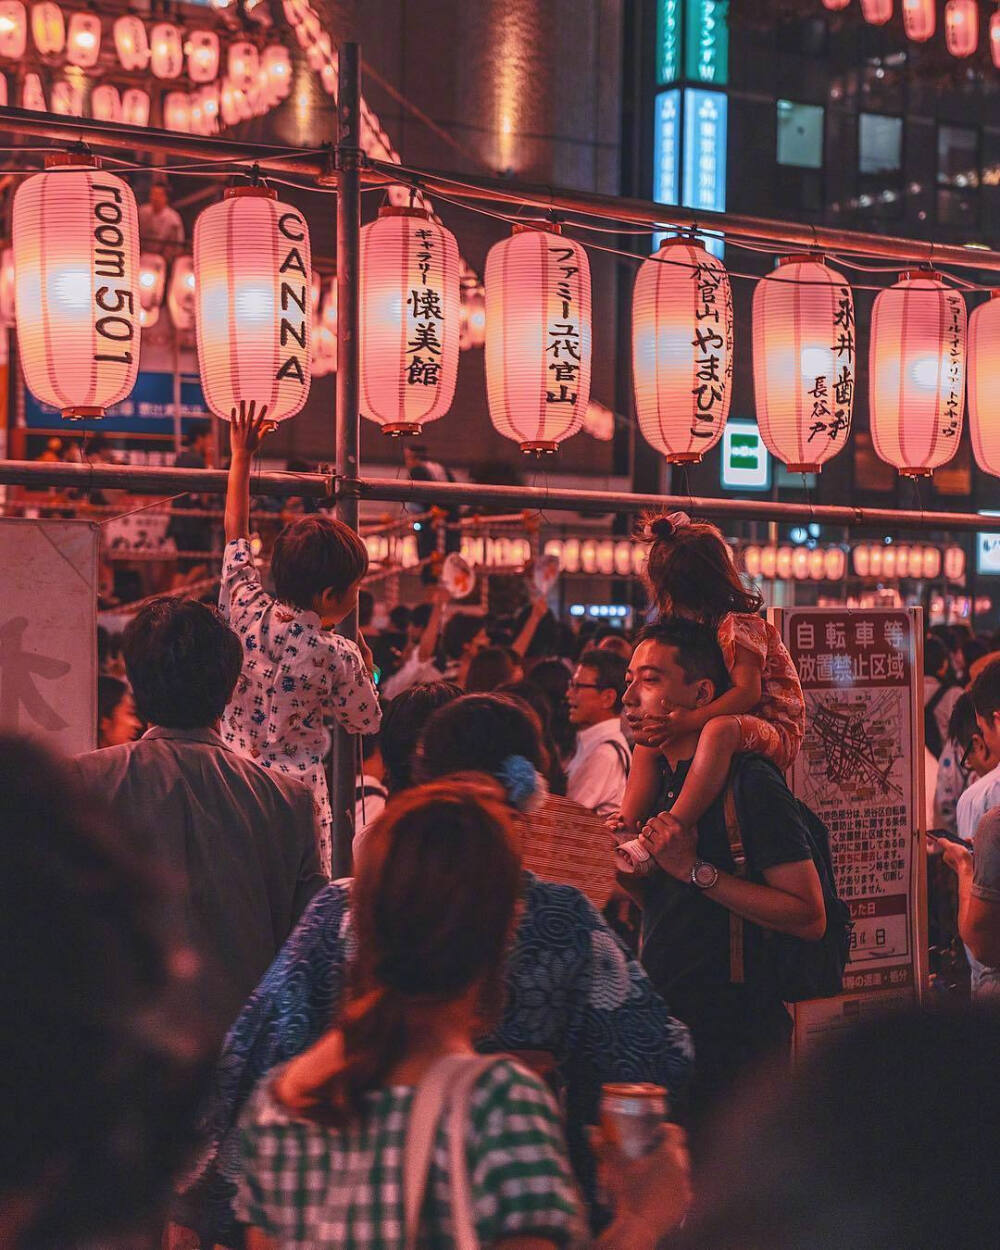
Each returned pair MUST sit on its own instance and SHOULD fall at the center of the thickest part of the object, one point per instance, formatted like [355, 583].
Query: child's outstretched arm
[640, 790]
[247, 429]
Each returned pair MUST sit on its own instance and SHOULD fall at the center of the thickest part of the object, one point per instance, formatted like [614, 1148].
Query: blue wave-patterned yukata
[572, 991]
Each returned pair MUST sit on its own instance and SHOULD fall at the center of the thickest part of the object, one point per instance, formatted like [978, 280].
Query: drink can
[631, 1115]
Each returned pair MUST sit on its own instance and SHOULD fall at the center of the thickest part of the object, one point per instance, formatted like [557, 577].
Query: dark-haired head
[100, 1068]
[690, 571]
[403, 721]
[698, 653]
[488, 668]
[477, 733]
[433, 908]
[183, 662]
[937, 661]
[316, 564]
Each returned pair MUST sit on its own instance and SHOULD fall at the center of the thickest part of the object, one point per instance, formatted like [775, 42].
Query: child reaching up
[691, 574]
[295, 667]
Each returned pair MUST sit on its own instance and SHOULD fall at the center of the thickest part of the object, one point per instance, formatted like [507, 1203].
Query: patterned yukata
[314, 1187]
[777, 725]
[294, 670]
[572, 991]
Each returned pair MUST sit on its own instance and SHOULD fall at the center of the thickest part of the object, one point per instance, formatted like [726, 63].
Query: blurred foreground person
[102, 1052]
[851, 1151]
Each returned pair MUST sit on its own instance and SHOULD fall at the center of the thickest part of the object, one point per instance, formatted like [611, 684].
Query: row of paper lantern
[961, 22]
[78, 283]
[869, 559]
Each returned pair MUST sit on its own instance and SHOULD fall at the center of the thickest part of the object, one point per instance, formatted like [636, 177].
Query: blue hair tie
[520, 780]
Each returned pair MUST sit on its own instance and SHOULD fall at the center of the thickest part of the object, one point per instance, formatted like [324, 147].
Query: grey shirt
[241, 841]
[986, 886]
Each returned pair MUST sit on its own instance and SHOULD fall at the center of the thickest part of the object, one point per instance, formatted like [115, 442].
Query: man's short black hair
[935, 655]
[986, 691]
[198, 429]
[183, 662]
[313, 554]
[697, 647]
[962, 726]
[609, 670]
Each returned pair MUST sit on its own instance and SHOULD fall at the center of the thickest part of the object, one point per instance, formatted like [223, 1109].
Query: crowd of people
[210, 1043]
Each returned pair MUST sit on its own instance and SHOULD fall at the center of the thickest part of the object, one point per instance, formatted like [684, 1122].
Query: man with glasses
[598, 771]
[964, 760]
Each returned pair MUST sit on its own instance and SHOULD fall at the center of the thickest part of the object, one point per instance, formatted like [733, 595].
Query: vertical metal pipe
[348, 418]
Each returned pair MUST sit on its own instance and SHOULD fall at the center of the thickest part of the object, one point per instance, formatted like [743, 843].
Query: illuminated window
[880, 144]
[800, 135]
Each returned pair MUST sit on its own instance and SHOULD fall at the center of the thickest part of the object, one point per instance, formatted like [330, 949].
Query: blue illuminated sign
[705, 131]
[148, 410]
[666, 147]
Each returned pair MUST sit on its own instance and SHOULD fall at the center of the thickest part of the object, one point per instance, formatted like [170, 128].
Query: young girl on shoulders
[691, 574]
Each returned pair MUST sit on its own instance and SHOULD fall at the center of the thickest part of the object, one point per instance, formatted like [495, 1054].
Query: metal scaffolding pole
[348, 431]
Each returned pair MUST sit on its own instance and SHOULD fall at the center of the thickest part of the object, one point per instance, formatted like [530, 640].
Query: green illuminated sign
[706, 56]
[668, 40]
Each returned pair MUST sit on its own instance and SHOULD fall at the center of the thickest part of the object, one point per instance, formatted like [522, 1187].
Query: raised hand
[248, 427]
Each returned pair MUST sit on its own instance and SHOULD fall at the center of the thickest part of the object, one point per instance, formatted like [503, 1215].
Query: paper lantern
[242, 63]
[152, 280]
[876, 12]
[83, 40]
[131, 43]
[804, 362]
[682, 350]
[76, 257]
[7, 317]
[13, 29]
[166, 50]
[278, 65]
[48, 28]
[135, 107]
[995, 38]
[473, 327]
[210, 108]
[252, 265]
[181, 293]
[984, 383]
[67, 99]
[835, 5]
[106, 104]
[538, 336]
[32, 95]
[177, 112]
[917, 373]
[203, 55]
[961, 27]
[919, 19]
[408, 320]
[3, 91]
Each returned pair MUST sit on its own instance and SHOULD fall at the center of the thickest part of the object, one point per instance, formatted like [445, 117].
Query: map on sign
[852, 748]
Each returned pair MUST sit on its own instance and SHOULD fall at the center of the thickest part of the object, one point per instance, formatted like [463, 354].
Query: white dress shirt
[596, 774]
[976, 802]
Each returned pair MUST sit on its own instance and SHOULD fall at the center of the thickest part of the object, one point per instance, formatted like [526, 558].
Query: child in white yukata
[295, 667]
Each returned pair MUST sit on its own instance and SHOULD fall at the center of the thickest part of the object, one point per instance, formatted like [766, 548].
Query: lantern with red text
[278, 66]
[13, 29]
[995, 38]
[538, 337]
[919, 19]
[135, 107]
[48, 28]
[961, 27]
[106, 104]
[916, 373]
[408, 320]
[242, 63]
[984, 383]
[166, 50]
[32, 94]
[682, 350]
[876, 12]
[202, 55]
[803, 362]
[83, 40]
[67, 98]
[76, 259]
[252, 279]
[131, 43]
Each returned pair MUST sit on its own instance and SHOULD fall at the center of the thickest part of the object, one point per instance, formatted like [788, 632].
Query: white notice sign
[48, 631]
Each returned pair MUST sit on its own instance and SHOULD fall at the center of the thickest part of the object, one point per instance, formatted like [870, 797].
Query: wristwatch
[704, 875]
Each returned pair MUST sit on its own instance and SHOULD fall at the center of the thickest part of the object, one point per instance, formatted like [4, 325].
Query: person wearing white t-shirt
[598, 771]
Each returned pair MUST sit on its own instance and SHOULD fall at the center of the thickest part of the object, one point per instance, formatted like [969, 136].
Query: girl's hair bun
[666, 526]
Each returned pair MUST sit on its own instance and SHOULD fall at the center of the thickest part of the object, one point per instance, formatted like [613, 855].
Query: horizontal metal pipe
[786, 234]
[39, 475]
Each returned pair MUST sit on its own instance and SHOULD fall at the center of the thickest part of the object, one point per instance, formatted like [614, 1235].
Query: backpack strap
[624, 758]
[737, 971]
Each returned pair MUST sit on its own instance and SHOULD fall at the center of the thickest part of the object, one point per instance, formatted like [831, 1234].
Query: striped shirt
[313, 1187]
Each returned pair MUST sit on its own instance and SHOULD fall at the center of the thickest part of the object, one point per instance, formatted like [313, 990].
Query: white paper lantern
[984, 383]
[152, 279]
[131, 43]
[961, 27]
[32, 95]
[242, 63]
[106, 104]
[76, 255]
[13, 29]
[7, 313]
[919, 19]
[177, 112]
[408, 320]
[48, 28]
[278, 66]
[135, 107]
[3, 91]
[203, 56]
[67, 99]
[682, 350]
[538, 337]
[83, 40]
[181, 293]
[253, 273]
[166, 50]
[210, 107]
[876, 12]
[804, 353]
[916, 373]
